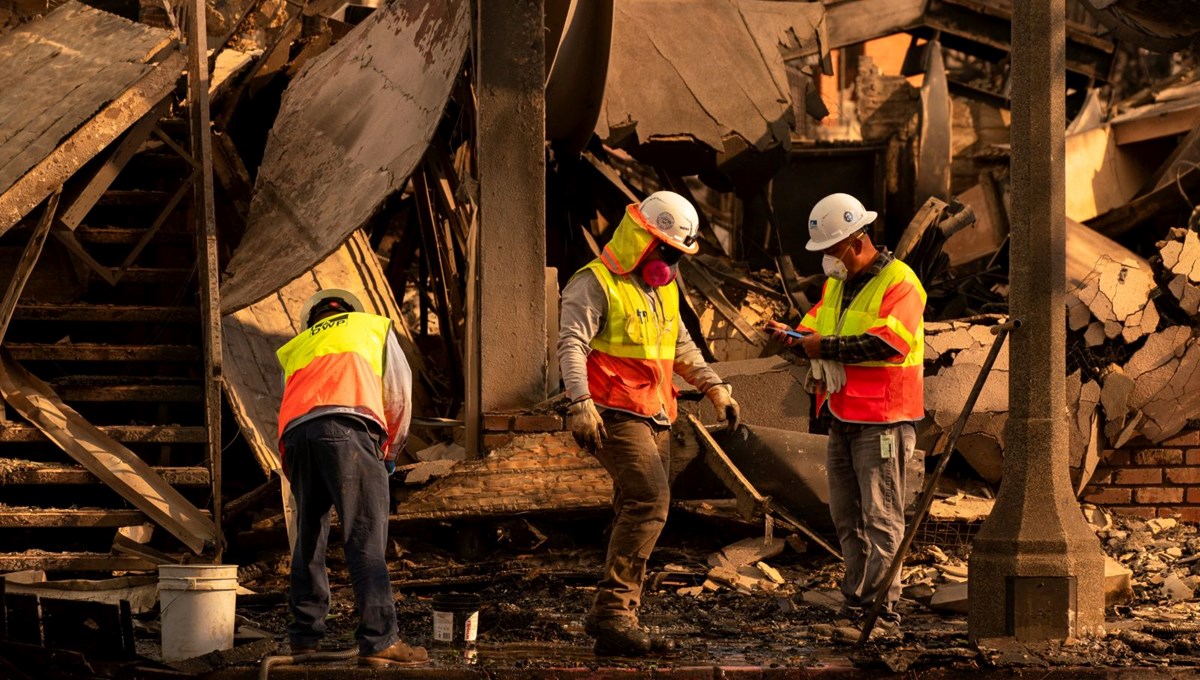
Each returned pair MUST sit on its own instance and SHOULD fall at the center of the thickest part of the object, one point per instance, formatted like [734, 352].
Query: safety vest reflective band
[890, 306]
[337, 362]
[632, 360]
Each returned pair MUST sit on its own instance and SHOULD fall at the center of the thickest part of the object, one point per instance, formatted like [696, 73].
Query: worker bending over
[619, 345]
[344, 418]
[865, 340]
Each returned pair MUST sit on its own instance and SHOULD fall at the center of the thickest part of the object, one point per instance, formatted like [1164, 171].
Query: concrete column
[1036, 568]
[511, 133]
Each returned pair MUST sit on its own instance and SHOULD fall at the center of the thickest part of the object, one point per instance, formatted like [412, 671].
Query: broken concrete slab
[950, 597]
[1118, 295]
[769, 390]
[1118, 582]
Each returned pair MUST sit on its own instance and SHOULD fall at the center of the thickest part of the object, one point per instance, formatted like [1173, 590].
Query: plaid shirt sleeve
[856, 349]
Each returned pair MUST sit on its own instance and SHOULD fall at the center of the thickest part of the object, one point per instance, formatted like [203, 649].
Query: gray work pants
[866, 501]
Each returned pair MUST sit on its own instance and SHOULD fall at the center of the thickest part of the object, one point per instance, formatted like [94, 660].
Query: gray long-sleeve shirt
[584, 310]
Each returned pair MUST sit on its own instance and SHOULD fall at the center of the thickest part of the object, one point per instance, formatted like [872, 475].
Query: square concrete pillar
[510, 125]
[1036, 567]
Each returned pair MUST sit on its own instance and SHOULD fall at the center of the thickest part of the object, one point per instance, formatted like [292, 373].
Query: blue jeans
[331, 462]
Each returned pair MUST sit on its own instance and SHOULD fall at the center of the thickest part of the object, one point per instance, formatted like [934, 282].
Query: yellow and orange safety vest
[890, 306]
[631, 365]
[336, 362]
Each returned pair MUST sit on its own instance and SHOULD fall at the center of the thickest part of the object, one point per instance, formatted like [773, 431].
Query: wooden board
[1100, 176]
[72, 83]
[119, 468]
[328, 166]
[850, 22]
[253, 379]
[1156, 121]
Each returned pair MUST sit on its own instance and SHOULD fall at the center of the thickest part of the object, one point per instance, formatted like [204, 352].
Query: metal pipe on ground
[264, 668]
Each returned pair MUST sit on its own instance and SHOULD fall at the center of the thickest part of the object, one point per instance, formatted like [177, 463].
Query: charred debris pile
[342, 152]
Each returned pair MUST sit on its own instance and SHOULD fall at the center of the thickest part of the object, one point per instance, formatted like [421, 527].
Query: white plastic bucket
[197, 603]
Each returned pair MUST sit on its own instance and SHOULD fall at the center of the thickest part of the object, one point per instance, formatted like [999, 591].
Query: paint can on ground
[455, 619]
[196, 604]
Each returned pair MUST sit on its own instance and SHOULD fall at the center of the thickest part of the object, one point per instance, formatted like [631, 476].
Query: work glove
[832, 373]
[721, 396]
[585, 424]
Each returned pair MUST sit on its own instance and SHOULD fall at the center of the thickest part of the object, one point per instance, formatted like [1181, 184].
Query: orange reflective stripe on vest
[632, 362]
[337, 362]
[890, 307]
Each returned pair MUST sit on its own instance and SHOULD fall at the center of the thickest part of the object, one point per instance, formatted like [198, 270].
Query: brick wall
[500, 428]
[1162, 480]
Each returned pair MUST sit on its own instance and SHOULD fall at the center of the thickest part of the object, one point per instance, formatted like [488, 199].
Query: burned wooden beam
[29, 258]
[130, 393]
[26, 518]
[77, 351]
[81, 201]
[72, 561]
[16, 472]
[104, 313]
[850, 22]
[120, 468]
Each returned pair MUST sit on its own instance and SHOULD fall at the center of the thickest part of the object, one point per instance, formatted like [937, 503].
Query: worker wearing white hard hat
[620, 344]
[343, 419]
[865, 342]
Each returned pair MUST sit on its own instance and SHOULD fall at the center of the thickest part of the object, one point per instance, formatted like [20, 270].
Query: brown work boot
[399, 654]
[624, 637]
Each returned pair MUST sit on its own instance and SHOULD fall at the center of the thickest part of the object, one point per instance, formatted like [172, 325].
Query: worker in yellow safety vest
[345, 416]
[865, 340]
[620, 344]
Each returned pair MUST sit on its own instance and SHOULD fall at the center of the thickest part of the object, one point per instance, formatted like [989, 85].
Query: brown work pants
[637, 455]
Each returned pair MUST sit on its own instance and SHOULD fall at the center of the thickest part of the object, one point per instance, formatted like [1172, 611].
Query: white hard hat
[834, 218]
[320, 296]
[673, 219]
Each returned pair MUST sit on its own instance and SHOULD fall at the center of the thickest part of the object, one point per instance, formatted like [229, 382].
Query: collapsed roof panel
[672, 76]
[71, 83]
[350, 129]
